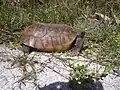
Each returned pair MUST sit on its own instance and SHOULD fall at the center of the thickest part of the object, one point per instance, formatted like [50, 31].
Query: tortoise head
[81, 34]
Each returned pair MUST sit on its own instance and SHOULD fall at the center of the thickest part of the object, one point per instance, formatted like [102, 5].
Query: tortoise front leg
[78, 45]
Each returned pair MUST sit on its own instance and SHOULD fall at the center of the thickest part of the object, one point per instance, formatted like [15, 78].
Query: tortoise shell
[48, 37]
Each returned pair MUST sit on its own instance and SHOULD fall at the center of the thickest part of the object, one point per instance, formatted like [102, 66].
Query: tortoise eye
[83, 33]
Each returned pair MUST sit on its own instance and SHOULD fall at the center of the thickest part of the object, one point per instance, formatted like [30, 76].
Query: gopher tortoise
[51, 38]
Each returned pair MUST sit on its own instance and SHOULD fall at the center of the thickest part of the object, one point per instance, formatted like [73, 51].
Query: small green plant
[26, 65]
[79, 75]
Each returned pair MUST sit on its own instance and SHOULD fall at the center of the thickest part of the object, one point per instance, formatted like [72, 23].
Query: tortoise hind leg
[26, 49]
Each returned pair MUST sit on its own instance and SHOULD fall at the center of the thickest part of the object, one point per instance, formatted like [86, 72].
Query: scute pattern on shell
[48, 37]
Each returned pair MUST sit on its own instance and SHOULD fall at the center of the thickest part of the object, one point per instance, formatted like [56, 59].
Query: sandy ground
[48, 73]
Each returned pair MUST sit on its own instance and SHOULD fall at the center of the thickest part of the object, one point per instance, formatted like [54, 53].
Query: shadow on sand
[73, 86]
